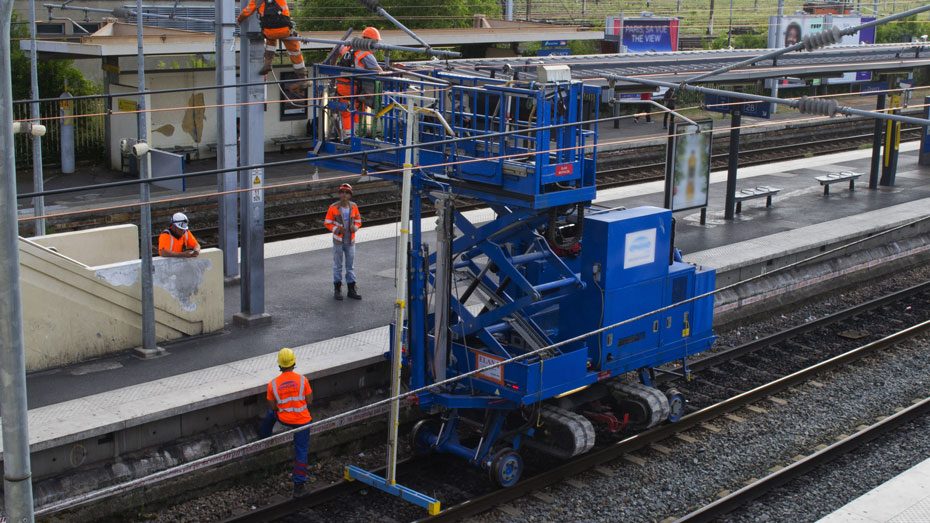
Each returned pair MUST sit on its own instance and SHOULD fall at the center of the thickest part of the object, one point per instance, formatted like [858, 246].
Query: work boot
[337, 290]
[298, 87]
[300, 489]
[353, 293]
[266, 65]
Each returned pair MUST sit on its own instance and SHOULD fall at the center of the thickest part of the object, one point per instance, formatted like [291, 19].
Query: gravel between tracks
[829, 488]
[694, 473]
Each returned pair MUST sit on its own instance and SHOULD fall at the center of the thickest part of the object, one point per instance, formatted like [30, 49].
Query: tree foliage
[330, 15]
[52, 74]
[896, 32]
[743, 41]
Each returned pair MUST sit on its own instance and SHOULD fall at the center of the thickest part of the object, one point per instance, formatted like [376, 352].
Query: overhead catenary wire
[354, 154]
[184, 108]
[390, 171]
[396, 148]
[281, 437]
[813, 41]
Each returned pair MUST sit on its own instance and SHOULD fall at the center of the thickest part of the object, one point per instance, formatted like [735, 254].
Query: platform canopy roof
[119, 39]
[676, 67]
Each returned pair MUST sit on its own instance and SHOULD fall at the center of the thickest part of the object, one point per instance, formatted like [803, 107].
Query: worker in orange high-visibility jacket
[365, 60]
[275, 20]
[177, 241]
[343, 217]
[289, 399]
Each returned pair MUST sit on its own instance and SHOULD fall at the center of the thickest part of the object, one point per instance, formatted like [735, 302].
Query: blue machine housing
[627, 269]
[628, 265]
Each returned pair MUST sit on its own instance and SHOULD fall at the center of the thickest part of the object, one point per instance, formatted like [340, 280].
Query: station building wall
[190, 126]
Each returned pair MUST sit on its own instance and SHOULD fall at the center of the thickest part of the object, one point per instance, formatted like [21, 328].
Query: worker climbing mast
[275, 20]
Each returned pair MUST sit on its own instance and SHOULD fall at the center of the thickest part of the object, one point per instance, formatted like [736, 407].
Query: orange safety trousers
[345, 90]
[293, 47]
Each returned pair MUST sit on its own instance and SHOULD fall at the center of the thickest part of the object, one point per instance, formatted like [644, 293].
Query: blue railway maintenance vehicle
[546, 268]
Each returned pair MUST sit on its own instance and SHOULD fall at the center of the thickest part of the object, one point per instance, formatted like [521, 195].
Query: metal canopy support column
[226, 136]
[670, 162]
[252, 204]
[875, 170]
[38, 203]
[732, 163]
[149, 349]
[17, 471]
[924, 158]
[892, 143]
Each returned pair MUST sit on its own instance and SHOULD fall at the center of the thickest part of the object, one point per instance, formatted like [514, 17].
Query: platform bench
[291, 140]
[842, 176]
[751, 194]
[186, 150]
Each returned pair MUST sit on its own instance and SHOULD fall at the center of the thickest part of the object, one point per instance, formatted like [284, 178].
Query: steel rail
[588, 461]
[329, 493]
[801, 468]
[784, 335]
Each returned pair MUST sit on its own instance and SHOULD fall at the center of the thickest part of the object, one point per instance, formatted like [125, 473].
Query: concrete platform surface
[903, 499]
[298, 285]
[81, 418]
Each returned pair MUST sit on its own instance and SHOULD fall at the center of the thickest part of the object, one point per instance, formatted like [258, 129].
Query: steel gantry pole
[252, 204]
[149, 348]
[227, 136]
[400, 301]
[38, 203]
[17, 472]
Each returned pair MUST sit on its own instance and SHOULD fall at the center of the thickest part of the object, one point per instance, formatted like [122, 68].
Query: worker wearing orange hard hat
[289, 398]
[359, 59]
[344, 220]
[275, 19]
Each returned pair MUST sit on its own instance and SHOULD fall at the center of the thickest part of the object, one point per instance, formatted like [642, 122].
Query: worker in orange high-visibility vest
[177, 241]
[275, 20]
[289, 399]
[365, 60]
[344, 220]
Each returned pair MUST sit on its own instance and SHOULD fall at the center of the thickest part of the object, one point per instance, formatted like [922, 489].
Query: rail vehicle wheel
[506, 468]
[423, 428]
[676, 405]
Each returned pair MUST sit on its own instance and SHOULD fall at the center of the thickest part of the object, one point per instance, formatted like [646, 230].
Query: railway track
[377, 213]
[799, 469]
[715, 392]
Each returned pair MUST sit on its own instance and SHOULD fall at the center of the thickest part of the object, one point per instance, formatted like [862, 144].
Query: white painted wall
[156, 80]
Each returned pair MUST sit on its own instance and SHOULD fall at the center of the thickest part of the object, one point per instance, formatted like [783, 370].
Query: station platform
[903, 499]
[86, 402]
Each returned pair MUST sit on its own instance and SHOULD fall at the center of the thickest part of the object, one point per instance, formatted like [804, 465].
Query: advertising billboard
[795, 27]
[645, 34]
[866, 36]
[690, 172]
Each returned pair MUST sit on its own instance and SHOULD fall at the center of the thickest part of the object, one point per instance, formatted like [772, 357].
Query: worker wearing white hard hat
[177, 241]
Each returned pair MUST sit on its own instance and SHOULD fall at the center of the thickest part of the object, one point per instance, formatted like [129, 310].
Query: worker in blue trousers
[289, 398]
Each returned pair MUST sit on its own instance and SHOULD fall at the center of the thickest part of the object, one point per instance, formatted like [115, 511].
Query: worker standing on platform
[177, 241]
[669, 102]
[365, 60]
[275, 20]
[289, 398]
[342, 216]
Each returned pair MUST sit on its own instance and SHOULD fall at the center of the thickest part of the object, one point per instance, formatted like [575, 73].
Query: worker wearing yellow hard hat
[289, 398]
